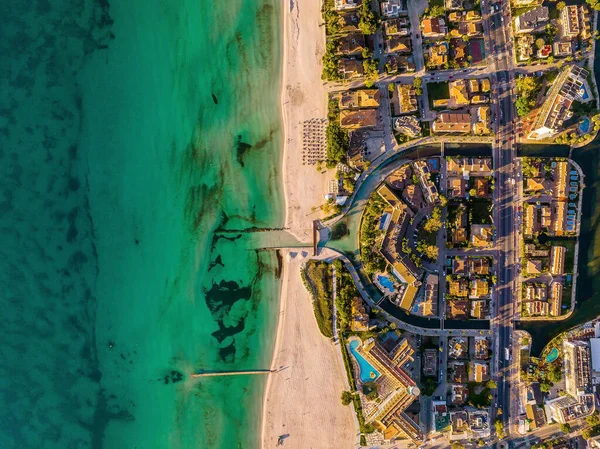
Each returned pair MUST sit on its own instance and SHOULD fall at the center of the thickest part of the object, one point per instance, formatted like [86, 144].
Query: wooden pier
[231, 373]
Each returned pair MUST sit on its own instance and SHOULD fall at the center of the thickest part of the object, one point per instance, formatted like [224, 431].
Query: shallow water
[130, 133]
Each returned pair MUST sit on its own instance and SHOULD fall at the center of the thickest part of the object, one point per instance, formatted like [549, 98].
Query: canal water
[588, 282]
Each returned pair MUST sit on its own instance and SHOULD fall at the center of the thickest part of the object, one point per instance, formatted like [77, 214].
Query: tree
[566, 427]
[465, 38]
[491, 384]
[330, 62]
[443, 200]
[366, 53]
[337, 144]
[437, 11]
[499, 428]
[368, 21]
[561, 5]
[346, 397]
[540, 42]
[371, 74]
[587, 434]
[593, 420]
[392, 87]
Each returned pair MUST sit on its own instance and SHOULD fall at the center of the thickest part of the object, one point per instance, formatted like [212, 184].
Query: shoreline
[299, 348]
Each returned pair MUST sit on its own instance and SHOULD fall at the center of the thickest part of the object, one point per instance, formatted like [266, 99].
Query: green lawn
[569, 255]
[317, 279]
[479, 211]
[437, 91]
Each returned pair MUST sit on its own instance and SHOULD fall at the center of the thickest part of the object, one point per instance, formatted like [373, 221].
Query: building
[556, 107]
[408, 125]
[525, 47]
[440, 417]
[569, 17]
[361, 118]
[482, 348]
[459, 96]
[566, 408]
[388, 416]
[470, 423]
[560, 180]
[458, 287]
[421, 169]
[392, 8]
[555, 298]
[402, 267]
[358, 99]
[482, 119]
[576, 366]
[438, 54]
[351, 44]
[536, 308]
[342, 5]
[407, 98]
[469, 166]
[458, 394]
[482, 236]
[535, 415]
[396, 26]
[459, 265]
[360, 316]
[458, 348]
[480, 309]
[350, 68]
[398, 44]
[562, 48]
[429, 305]
[480, 371]
[595, 354]
[434, 27]
[430, 362]
[399, 63]
[557, 260]
[532, 21]
[479, 289]
[452, 122]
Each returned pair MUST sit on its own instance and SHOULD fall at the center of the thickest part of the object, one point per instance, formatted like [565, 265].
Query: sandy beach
[302, 401]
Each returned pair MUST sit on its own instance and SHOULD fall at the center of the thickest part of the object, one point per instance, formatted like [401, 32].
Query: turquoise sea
[132, 134]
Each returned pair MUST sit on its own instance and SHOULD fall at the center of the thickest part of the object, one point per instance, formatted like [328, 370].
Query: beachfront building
[577, 367]
[395, 387]
[532, 21]
[342, 5]
[402, 267]
[566, 408]
[360, 99]
[557, 106]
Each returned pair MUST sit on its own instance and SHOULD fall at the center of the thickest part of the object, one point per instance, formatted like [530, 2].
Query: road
[499, 43]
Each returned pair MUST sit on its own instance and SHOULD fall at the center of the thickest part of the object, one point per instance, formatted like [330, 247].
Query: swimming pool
[584, 126]
[385, 282]
[367, 372]
[584, 95]
[552, 356]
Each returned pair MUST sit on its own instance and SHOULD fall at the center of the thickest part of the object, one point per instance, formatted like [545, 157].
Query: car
[572, 205]
[417, 36]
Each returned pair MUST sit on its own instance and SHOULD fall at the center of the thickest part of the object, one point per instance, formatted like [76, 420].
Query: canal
[588, 282]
